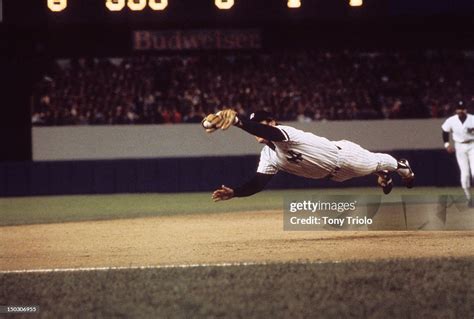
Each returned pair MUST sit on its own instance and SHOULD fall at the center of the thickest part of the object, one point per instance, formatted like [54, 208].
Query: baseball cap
[460, 105]
[261, 115]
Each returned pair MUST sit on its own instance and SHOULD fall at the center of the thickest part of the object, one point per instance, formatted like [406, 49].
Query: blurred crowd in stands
[294, 85]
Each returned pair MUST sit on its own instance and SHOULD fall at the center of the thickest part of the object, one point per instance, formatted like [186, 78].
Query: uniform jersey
[308, 155]
[301, 153]
[462, 132]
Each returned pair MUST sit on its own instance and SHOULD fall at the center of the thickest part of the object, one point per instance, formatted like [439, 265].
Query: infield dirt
[211, 238]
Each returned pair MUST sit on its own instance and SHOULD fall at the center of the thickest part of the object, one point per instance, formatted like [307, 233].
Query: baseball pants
[355, 161]
[465, 158]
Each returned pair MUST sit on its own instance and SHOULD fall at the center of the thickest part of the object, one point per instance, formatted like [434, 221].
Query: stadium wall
[198, 171]
[189, 140]
[433, 168]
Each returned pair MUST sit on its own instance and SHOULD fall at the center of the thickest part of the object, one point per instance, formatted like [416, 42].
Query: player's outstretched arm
[253, 186]
[225, 118]
[267, 132]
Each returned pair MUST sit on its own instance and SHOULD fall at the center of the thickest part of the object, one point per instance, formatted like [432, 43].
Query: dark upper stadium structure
[323, 60]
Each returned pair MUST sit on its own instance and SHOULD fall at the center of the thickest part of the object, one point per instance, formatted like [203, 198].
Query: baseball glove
[210, 122]
[222, 119]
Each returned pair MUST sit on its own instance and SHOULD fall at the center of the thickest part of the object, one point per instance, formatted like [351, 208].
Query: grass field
[391, 289]
[274, 273]
[50, 209]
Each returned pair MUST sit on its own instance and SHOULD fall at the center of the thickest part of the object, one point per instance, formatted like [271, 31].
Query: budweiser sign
[197, 40]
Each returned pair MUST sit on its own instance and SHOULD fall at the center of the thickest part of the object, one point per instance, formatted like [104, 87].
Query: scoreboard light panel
[157, 5]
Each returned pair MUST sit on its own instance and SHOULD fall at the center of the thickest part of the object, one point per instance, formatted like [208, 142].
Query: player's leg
[357, 161]
[470, 157]
[385, 181]
[388, 163]
[405, 171]
[402, 167]
[463, 163]
[385, 162]
[361, 162]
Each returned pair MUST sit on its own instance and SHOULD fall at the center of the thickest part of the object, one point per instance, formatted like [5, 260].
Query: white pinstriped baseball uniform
[308, 155]
[463, 137]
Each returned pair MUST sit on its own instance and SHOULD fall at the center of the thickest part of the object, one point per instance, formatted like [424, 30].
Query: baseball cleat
[470, 203]
[385, 181]
[406, 173]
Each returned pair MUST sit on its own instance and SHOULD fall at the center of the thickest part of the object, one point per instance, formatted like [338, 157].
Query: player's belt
[467, 142]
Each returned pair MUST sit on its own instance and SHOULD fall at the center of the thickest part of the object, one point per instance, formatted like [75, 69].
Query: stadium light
[158, 4]
[57, 5]
[136, 5]
[115, 5]
[356, 3]
[293, 4]
[224, 4]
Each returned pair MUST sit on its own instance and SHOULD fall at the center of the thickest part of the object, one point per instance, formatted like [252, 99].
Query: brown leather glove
[222, 119]
[210, 122]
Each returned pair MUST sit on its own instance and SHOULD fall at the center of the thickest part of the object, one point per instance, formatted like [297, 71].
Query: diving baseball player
[461, 125]
[304, 154]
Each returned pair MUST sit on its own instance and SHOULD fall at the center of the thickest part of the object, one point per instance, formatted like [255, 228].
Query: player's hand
[223, 193]
[450, 149]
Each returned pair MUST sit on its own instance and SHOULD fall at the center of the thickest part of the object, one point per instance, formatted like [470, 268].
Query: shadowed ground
[415, 288]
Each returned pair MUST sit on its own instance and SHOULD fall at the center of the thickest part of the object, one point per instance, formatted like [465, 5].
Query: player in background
[461, 126]
[304, 154]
